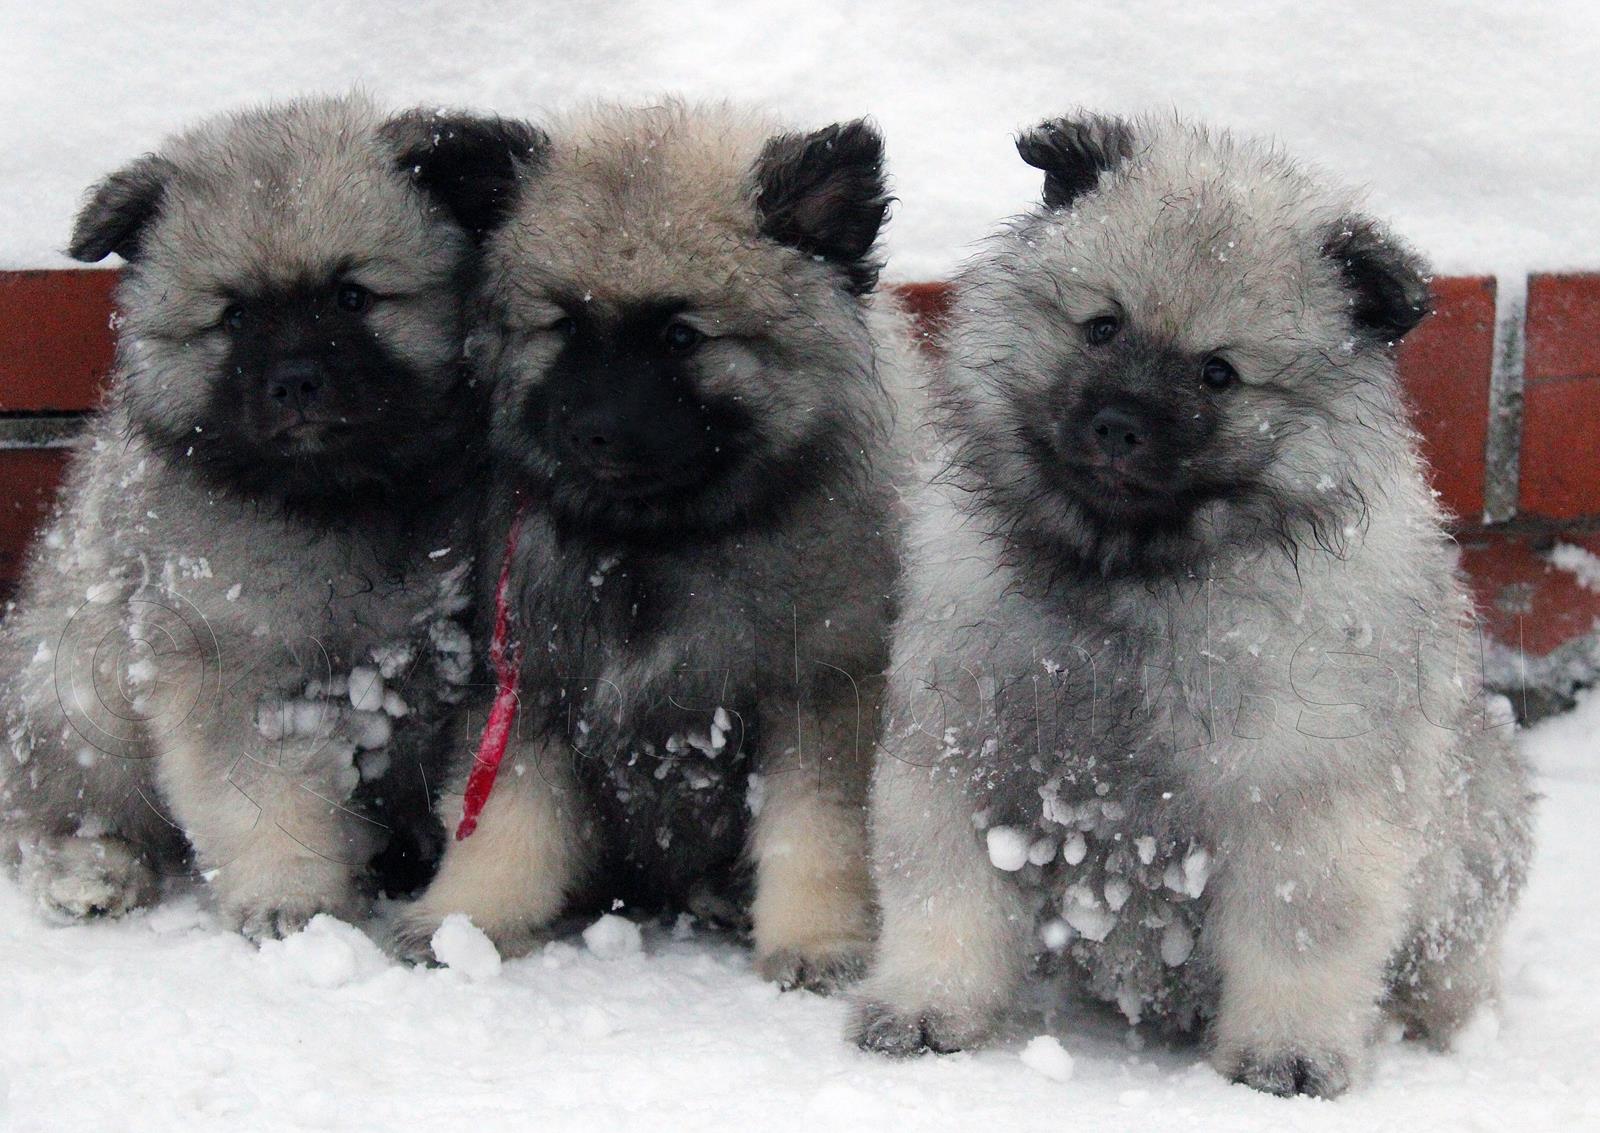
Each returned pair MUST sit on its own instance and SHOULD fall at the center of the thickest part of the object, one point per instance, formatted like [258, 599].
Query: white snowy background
[1474, 125]
[1473, 122]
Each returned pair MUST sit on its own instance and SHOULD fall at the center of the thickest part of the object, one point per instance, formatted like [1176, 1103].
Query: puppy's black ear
[824, 194]
[119, 209]
[1073, 152]
[1387, 281]
[471, 165]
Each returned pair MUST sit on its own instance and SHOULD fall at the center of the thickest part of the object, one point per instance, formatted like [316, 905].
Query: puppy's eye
[233, 316]
[1218, 374]
[1100, 331]
[353, 297]
[566, 327]
[680, 337]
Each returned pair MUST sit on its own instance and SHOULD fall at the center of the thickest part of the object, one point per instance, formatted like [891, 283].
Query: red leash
[506, 658]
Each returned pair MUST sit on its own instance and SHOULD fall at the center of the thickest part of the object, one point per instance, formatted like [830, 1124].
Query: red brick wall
[55, 338]
[1561, 416]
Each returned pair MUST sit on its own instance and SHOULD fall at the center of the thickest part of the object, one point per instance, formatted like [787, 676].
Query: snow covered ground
[165, 1022]
[1473, 121]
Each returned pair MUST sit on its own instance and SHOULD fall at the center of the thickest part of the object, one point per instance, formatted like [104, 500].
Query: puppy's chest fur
[634, 650]
[285, 602]
[649, 668]
[1121, 734]
[1093, 818]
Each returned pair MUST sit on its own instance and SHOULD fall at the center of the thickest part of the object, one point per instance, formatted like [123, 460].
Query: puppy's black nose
[595, 432]
[294, 382]
[606, 439]
[1119, 432]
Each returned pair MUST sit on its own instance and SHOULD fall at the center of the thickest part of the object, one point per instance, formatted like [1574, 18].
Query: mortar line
[1502, 457]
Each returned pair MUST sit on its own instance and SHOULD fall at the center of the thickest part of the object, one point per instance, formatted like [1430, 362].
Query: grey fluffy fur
[727, 661]
[1238, 765]
[171, 673]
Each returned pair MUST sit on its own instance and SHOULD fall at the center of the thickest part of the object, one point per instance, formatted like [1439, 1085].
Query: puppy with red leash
[692, 420]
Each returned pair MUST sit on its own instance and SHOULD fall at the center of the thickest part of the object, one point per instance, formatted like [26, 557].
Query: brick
[1561, 414]
[56, 342]
[1561, 448]
[929, 304]
[30, 477]
[1563, 326]
[1444, 366]
[1526, 602]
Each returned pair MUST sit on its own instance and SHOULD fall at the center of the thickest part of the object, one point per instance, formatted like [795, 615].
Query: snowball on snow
[1045, 1055]
[460, 945]
[613, 937]
[1008, 848]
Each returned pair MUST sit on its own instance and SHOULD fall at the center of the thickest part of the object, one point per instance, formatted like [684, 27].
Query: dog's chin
[624, 486]
[636, 510]
[738, 492]
[1119, 501]
[313, 439]
[1105, 527]
[320, 470]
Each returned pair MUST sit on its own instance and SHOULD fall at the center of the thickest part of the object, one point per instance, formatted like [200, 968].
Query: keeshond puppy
[246, 602]
[691, 417]
[1182, 698]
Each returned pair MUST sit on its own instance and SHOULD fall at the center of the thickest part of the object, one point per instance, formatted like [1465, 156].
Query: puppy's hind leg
[1443, 978]
[1479, 865]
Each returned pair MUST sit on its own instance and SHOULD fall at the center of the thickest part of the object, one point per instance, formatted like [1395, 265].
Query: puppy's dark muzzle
[628, 458]
[294, 384]
[1115, 459]
[299, 409]
[1119, 435]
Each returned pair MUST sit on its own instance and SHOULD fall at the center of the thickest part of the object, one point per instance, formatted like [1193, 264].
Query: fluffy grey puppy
[1184, 693]
[690, 405]
[248, 588]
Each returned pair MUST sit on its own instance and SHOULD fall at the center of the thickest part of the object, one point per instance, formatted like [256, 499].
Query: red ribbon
[506, 657]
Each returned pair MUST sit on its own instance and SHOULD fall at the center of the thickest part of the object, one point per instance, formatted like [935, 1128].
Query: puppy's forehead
[1195, 240]
[633, 205]
[278, 204]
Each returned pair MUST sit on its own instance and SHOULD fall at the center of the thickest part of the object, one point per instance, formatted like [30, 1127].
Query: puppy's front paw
[1288, 1073]
[410, 936]
[883, 1029]
[80, 878]
[268, 898]
[823, 967]
[279, 919]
